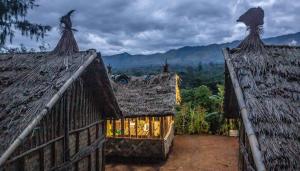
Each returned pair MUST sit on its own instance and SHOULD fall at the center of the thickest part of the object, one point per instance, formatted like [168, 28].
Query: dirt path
[193, 153]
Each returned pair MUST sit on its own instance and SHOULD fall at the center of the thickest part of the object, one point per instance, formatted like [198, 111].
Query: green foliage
[190, 121]
[215, 122]
[205, 74]
[12, 17]
[202, 112]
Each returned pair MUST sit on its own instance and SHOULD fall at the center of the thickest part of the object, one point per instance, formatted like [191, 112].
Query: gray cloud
[149, 26]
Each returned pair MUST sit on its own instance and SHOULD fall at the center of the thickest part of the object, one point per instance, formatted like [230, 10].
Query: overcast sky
[148, 26]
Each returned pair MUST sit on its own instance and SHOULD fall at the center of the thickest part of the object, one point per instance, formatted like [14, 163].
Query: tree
[13, 17]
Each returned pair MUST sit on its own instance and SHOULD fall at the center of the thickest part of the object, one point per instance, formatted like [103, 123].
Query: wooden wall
[246, 161]
[70, 136]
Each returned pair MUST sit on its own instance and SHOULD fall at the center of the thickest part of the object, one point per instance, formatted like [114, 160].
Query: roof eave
[256, 153]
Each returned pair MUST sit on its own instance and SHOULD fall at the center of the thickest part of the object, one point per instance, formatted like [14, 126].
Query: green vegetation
[13, 17]
[201, 111]
[204, 74]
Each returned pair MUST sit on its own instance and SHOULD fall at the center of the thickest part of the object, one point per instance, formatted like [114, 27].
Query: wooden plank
[77, 111]
[76, 149]
[66, 154]
[53, 141]
[53, 155]
[89, 143]
[41, 159]
[72, 107]
[97, 150]
[20, 165]
[83, 152]
[81, 114]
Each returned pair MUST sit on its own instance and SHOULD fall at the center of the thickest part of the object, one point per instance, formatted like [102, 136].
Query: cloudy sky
[148, 26]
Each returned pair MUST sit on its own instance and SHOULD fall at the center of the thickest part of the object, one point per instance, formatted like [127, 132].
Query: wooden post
[53, 155]
[128, 127]
[114, 127]
[73, 106]
[20, 164]
[66, 129]
[97, 167]
[41, 159]
[89, 157]
[80, 121]
[150, 126]
[161, 127]
[136, 127]
[76, 149]
[122, 127]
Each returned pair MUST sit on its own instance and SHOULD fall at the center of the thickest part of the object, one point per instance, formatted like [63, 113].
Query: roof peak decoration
[254, 20]
[109, 69]
[252, 48]
[67, 44]
[166, 67]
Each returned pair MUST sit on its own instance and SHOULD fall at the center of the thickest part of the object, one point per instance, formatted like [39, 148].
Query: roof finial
[109, 69]
[67, 44]
[166, 66]
[254, 20]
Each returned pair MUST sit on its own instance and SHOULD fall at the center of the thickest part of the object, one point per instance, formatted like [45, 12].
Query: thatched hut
[52, 112]
[262, 88]
[147, 129]
[52, 109]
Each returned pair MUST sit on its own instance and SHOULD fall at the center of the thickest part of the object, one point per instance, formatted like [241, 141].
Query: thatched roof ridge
[29, 81]
[272, 101]
[147, 95]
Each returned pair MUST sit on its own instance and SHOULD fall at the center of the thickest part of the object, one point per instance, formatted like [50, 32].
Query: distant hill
[188, 55]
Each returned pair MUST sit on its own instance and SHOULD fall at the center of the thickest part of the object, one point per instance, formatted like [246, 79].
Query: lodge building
[147, 129]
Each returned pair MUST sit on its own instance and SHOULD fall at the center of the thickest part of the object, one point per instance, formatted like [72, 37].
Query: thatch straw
[253, 19]
[272, 100]
[29, 81]
[147, 95]
[67, 44]
[270, 80]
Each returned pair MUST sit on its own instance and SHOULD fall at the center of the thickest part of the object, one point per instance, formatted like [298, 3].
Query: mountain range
[188, 55]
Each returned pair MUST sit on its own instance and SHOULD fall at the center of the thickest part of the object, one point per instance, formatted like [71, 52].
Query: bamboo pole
[48, 106]
[256, 153]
